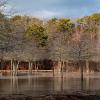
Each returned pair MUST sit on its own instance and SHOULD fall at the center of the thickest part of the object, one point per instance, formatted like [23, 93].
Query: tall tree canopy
[38, 33]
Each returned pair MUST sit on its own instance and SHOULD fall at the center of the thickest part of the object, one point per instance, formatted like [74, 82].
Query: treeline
[55, 38]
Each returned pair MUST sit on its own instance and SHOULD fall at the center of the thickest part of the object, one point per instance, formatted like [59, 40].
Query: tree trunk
[82, 73]
[11, 67]
[67, 66]
[62, 66]
[82, 79]
[30, 67]
[87, 66]
[2, 61]
[17, 65]
[2, 64]
[53, 68]
[59, 68]
[35, 65]
[14, 68]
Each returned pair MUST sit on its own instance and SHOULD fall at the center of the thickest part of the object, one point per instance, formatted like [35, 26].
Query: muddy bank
[74, 96]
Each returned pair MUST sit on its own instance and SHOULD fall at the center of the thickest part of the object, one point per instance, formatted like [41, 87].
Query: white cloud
[7, 8]
[46, 14]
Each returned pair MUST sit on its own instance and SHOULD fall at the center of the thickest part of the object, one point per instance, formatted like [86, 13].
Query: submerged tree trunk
[62, 68]
[14, 68]
[53, 68]
[35, 66]
[82, 78]
[59, 68]
[17, 66]
[82, 73]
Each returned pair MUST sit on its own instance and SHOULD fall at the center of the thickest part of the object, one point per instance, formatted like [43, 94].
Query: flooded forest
[44, 56]
[28, 43]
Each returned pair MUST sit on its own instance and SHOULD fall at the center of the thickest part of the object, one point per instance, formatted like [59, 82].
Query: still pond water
[43, 82]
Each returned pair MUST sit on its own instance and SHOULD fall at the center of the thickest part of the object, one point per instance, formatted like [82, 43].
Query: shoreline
[55, 96]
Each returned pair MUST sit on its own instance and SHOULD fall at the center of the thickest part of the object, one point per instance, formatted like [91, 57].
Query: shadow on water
[38, 85]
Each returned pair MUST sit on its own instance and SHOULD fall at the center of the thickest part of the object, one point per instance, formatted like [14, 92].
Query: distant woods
[75, 39]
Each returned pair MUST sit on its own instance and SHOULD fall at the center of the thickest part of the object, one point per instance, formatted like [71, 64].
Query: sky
[55, 8]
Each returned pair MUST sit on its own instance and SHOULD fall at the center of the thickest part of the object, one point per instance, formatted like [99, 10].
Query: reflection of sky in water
[43, 85]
